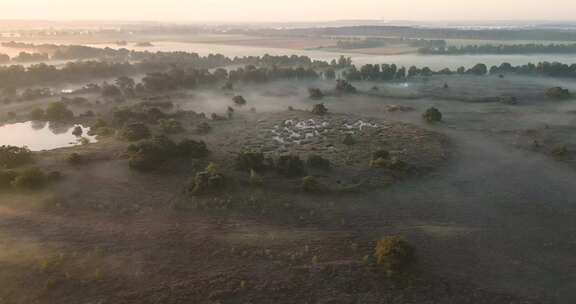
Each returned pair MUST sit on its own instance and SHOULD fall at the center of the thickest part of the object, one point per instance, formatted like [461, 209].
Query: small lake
[38, 136]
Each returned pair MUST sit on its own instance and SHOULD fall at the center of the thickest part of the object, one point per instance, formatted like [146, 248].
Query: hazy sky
[288, 10]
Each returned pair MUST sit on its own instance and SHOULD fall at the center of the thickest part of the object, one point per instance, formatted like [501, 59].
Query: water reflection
[39, 136]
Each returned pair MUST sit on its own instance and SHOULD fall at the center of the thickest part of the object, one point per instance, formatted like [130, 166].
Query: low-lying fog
[514, 205]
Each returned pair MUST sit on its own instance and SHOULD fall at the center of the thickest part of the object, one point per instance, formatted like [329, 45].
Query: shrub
[74, 159]
[394, 254]
[349, 140]
[343, 86]
[559, 151]
[389, 163]
[315, 93]
[290, 165]
[32, 178]
[207, 181]
[319, 109]
[77, 131]
[255, 179]
[239, 100]
[311, 185]
[318, 162]
[170, 126]
[135, 131]
[37, 114]
[12, 157]
[6, 178]
[57, 111]
[149, 154]
[250, 160]
[193, 149]
[380, 154]
[203, 128]
[558, 93]
[432, 115]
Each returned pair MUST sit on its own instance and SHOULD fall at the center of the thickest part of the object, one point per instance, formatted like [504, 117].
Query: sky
[287, 10]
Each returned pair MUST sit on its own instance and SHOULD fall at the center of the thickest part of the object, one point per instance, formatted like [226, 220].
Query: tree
[58, 112]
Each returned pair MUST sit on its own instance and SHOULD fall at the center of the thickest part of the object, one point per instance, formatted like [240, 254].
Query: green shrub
[150, 154]
[255, 179]
[315, 93]
[77, 131]
[432, 115]
[193, 149]
[311, 185]
[558, 93]
[250, 160]
[12, 157]
[6, 178]
[170, 126]
[389, 163]
[58, 111]
[37, 114]
[349, 140]
[135, 131]
[239, 100]
[319, 109]
[203, 128]
[74, 159]
[30, 179]
[290, 165]
[318, 162]
[394, 254]
[208, 181]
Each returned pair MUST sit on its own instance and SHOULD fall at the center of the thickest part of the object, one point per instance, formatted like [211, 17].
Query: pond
[38, 136]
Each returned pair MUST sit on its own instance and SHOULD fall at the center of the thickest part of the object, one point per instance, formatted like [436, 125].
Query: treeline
[372, 42]
[376, 72]
[44, 52]
[191, 78]
[501, 49]
[546, 34]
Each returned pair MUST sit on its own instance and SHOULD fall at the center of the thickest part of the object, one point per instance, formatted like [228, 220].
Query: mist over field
[219, 151]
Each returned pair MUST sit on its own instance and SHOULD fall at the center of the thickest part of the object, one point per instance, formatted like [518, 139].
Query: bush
[344, 87]
[12, 157]
[290, 165]
[558, 93]
[255, 179]
[389, 163]
[250, 160]
[170, 126]
[319, 109]
[311, 185]
[77, 131]
[6, 178]
[349, 140]
[30, 179]
[208, 181]
[318, 162]
[37, 114]
[149, 154]
[432, 115]
[193, 149]
[74, 159]
[203, 128]
[394, 254]
[315, 93]
[57, 111]
[135, 131]
[380, 154]
[239, 100]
